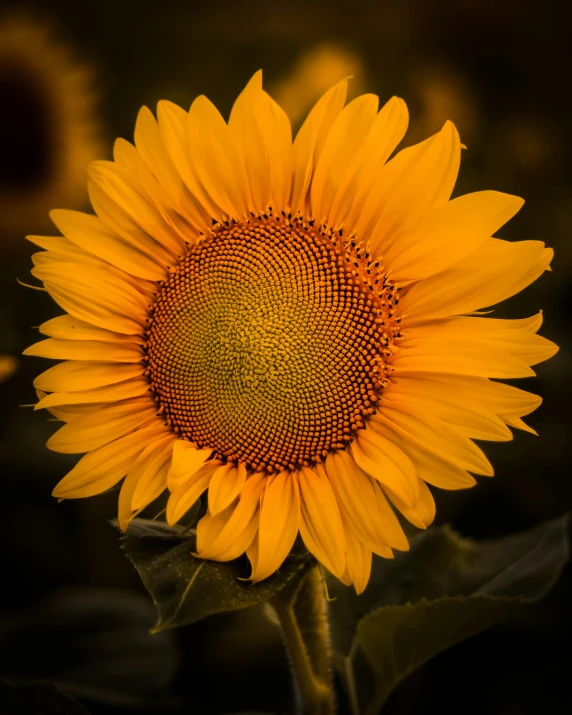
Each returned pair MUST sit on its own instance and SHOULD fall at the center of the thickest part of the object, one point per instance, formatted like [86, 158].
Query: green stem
[302, 615]
[351, 682]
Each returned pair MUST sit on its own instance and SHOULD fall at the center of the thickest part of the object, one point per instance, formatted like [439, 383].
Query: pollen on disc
[268, 342]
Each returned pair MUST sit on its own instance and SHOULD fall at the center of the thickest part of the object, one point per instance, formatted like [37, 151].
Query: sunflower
[51, 132]
[287, 326]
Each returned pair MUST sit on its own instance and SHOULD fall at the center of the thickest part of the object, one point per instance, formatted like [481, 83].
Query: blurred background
[72, 78]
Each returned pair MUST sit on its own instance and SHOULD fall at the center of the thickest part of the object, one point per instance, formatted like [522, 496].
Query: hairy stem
[302, 615]
[351, 682]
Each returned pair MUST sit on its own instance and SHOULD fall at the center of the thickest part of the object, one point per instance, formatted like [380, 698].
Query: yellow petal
[434, 244]
[384, 461]
[185, 494]
[489, 333]
[117, 218]
[225, 486]
[431, 466]
[91, 234]
[60, 244]
[503, 400]
[321, 525]
[346, 137]
[89, 350]
[101, 469]
[264, 138]
[517, 423]
[128, 389]
[466, 327]
[216, 158]
[362, 504]
[154, 153]
[67, 413]
[151, 470]
[252, 555]
[125, 512]
[508, 403]
[172, 122]
[387, 130]
[417, 180]
[83, 261]
[310, 141]
[251, 141]
[431, 435]
[68, 327]
[94, 295]
[187, 459]
[130, 167]
[113, 181]
[103, 425]
[77, 375]
[467, 417]
[358, 567]
[278, 527]
[277, 126]
[495, 272]
[228, 534]
[459, 357]
[422, 513]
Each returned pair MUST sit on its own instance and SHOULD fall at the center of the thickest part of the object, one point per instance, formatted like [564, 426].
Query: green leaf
[186, 589]
[442, 591]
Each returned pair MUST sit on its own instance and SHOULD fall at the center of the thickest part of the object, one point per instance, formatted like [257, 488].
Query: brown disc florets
[269, 342]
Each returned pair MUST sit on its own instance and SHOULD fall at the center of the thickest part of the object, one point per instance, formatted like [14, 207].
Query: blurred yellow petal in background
[7, 366]
[443, 92]
[316, 71]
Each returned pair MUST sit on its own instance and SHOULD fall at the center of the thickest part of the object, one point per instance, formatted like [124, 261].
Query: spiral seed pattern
[270, 342]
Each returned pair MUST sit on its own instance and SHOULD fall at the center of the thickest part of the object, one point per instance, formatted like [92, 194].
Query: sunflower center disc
[269, 342]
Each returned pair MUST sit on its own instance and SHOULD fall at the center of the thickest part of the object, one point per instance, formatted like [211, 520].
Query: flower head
[287, 326]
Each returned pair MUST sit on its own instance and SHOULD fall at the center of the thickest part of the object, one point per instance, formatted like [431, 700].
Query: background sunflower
[498, 72]
[50, 128]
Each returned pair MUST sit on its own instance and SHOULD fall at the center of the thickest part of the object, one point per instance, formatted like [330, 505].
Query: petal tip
[256, 80]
